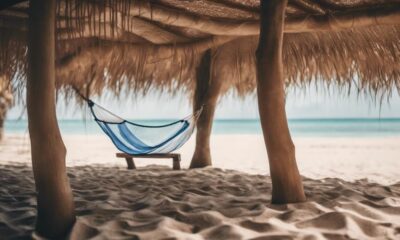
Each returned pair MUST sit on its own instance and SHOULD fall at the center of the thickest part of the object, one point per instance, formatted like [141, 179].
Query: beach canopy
[204, 46]
[133, 138]
[137, 45]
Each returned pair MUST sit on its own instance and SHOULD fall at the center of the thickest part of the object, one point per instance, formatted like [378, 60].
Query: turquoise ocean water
[298, 127]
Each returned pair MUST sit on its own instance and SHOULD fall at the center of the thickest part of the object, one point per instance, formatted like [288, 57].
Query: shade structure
[145, 44]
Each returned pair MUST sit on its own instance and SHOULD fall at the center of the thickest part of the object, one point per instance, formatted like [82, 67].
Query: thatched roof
[159, 42]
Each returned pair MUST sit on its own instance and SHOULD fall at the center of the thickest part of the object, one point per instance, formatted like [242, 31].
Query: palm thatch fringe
[141, 45]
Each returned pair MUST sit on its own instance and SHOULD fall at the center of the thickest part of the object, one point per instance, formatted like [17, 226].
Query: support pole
[2, 119]
[3, 113]
[5, 103]
[55, 208]
[207, 91]
[286, 181]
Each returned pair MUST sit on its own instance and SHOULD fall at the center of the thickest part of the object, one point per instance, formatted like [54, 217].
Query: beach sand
[352, 185]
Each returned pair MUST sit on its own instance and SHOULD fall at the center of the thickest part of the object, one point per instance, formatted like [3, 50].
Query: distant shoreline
[311, 127]
[235, 119]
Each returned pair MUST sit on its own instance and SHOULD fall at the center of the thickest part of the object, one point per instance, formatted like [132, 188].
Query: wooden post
[55, 208]
[3, 112]
[130, 163]
[286, 181]
[5, 102]
[176, 162]
[206, 94]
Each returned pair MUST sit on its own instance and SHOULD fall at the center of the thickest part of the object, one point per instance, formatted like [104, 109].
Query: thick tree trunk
[2, 119]
[286, 181]
[55, 206]
[206, 94]
[5, 103]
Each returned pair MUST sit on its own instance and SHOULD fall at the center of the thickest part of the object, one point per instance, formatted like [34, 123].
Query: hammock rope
[134, 138]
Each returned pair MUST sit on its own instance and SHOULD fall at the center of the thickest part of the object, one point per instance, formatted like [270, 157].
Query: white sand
[156, 202]
[377, 159]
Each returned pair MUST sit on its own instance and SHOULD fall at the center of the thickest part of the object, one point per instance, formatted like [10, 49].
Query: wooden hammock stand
[176, 159]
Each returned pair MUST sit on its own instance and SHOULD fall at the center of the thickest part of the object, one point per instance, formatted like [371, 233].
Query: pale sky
[301, 103]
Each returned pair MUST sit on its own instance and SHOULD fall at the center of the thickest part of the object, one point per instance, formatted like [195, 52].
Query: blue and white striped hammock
[136, 139]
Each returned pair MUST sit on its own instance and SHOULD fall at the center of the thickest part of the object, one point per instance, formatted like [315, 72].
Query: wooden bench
[176, 159]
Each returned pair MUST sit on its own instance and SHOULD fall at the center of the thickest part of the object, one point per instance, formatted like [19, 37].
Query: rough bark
[207, 91]
[286, 181]
[55, 208]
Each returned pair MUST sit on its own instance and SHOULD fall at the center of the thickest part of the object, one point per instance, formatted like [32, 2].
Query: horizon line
[232, 119]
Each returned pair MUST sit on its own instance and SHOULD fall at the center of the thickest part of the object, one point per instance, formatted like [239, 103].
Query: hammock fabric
[134, 139]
